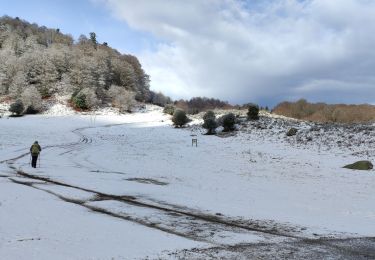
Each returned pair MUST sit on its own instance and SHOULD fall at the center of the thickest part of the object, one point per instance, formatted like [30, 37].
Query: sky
[262, 51]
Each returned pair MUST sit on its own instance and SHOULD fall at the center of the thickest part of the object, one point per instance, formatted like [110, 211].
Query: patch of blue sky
[78, 17]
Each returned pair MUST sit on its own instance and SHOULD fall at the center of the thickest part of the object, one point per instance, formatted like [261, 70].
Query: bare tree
[31, 99]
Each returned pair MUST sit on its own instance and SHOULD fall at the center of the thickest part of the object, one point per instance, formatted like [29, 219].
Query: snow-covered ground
[113, 186]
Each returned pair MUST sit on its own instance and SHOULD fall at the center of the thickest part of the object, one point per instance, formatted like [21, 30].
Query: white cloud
[263, 51]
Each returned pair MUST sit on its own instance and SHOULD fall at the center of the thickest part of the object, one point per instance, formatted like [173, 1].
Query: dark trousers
[34, 160]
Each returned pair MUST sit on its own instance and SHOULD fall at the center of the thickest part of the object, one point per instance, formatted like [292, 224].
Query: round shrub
[209, 114]
[17, 107]
[210, 124]
[292, 131]
[179, 118]
[31, 110]
[229, 120]
[253, 112]
[79, 101]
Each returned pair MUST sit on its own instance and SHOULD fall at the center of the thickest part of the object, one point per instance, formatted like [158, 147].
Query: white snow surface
[90, 162]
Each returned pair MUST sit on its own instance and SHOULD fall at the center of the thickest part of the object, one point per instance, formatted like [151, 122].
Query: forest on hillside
[37, 62]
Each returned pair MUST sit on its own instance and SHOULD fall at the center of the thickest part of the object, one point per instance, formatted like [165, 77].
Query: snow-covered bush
[17, 107]
[179, 118]
[32, 100]
[122, 98]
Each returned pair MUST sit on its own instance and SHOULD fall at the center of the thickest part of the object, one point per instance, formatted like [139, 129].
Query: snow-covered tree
[40, 71]
[64, 86]
[122, 98]
[83, 72]
[8, 68]
[18, 85]
[124, 74]
[31, 44]
[31, 99]
[61, 57]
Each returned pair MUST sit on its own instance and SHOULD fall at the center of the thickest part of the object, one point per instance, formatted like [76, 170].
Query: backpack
[34, 149]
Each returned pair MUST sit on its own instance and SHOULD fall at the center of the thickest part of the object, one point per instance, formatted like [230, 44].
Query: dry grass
[321, 112]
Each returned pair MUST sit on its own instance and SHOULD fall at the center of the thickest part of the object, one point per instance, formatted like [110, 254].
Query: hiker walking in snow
[35, 149]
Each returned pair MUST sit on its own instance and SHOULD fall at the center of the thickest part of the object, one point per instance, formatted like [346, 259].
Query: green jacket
[35, 149]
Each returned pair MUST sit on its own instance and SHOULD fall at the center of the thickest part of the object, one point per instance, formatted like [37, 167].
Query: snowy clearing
[113, 186]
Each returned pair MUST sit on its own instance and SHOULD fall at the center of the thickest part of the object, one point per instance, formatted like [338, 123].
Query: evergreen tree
[179, 118]
[253, 112]
[93, 40]
[229, 120]
[210, 122]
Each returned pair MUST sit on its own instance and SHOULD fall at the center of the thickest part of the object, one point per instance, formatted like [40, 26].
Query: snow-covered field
[131, 186]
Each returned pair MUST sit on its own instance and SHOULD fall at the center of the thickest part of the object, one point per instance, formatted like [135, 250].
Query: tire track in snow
[201, 220]
[326, 248]
[277, 249]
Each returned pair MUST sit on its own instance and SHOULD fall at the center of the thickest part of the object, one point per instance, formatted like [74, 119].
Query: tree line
[196, 105]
